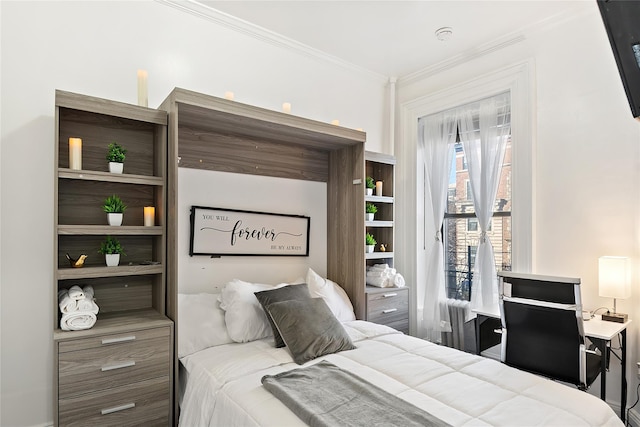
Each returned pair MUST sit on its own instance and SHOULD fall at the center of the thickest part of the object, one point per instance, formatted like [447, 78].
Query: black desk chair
[542, 330]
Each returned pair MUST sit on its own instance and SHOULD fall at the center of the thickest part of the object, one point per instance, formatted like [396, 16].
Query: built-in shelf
[121, 270]
[378, 223]
[98, 230]
[378, 255]
[378, 199]
[124, 178]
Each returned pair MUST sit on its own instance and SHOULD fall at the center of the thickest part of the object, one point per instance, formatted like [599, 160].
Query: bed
[221, 380]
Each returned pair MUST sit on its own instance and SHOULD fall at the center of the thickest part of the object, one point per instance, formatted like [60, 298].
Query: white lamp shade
[614, 277]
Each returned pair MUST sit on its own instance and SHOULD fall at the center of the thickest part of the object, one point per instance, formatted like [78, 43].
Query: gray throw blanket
[325, 395]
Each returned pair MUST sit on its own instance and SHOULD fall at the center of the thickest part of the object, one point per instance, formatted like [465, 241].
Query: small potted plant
[370, 210]
[370, 241]
[111, 249]
[370, 184]
[115, 157]
[114, 208]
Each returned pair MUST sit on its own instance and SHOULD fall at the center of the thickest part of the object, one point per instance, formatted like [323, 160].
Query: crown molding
[259, 33]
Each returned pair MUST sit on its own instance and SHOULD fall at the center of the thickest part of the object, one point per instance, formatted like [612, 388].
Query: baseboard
[633, 418]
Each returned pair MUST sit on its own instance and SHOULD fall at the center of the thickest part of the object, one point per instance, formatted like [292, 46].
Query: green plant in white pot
[370, 211]
[115, 157]
[370, 242]
[111, 249]
[370, 185]
[114, 207]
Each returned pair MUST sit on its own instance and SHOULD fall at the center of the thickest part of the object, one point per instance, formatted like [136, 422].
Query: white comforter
[224, 387]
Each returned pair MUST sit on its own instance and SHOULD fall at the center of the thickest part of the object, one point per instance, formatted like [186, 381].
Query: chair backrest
[542, 330]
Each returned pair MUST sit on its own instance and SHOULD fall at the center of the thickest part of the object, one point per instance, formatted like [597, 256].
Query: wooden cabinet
[129, 350]
[389, 306]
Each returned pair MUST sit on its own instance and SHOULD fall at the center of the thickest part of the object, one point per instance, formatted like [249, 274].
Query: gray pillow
[309, 328]
[285, 293]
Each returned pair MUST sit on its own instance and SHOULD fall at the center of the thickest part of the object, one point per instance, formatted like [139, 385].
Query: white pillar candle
[228, 95]
[149, 216]
[378, 188]
[142, 88]
[335, 122]
[286, 108]
[75, 153]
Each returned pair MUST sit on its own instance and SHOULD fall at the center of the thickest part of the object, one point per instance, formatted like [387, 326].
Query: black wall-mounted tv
[622, 22]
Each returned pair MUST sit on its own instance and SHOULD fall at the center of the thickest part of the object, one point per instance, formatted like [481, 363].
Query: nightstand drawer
[119, 361]
[145, 403]
[390, 307]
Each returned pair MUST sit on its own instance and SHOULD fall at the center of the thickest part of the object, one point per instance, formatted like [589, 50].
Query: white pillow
[246, 320]
[200, 323]
[335, 297]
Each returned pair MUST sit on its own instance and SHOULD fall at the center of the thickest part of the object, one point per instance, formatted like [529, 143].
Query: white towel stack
[78, 308]
[382, 276]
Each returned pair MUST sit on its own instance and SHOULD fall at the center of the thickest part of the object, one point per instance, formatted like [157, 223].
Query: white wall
[253, 193]
[586, 175]
[95, 48]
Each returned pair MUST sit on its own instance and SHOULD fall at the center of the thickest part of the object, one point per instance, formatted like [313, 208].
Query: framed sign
[234, 232]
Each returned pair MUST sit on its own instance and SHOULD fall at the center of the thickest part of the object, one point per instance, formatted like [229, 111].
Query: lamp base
[615, 317]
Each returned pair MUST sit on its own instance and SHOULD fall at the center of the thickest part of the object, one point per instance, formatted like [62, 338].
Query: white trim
[518, 79]
[198, 9]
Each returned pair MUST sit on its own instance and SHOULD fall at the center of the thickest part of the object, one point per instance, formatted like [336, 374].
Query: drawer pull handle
[116, 340]
[389, 295]
[118, 408]
[390, 310]
[120, 366]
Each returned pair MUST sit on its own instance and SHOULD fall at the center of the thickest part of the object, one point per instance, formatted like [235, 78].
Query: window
[462, 232]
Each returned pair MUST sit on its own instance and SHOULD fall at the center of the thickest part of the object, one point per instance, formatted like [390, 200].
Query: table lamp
[613, 279]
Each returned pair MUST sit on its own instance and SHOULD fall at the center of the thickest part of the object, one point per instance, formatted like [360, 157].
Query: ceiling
[394, 38]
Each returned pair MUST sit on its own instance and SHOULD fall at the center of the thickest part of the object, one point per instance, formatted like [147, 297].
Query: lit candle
[142, 88]
[228, 95]
[286, 108]
[378, 188]
[335, 122]
[75, 153]
[149, 216]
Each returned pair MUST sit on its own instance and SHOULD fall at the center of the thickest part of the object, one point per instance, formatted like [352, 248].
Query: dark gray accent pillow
[309, 328]
[285, 293]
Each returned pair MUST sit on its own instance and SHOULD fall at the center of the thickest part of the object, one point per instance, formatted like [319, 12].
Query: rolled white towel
[77, 321]
[398, 280]
[66, 303]
[88, 305]
[376, 273]
[381, 266]
[88, 291]
[75, 292]
[380, 282]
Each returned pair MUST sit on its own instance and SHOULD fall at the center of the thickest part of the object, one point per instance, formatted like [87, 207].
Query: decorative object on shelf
[237, 232]
[383, 248]
[149, 216]
[111, 249]
[286, 107]
[370, 242]
[75, 153]
[378, 188]
[228, 95]
[143, 100]
[614, 282]
[114, 208]
[115, 157]
[76, 262]
[370, 210]
[370, 184]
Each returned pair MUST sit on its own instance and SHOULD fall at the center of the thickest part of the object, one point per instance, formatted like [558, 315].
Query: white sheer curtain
[484, 131]
[436, 136]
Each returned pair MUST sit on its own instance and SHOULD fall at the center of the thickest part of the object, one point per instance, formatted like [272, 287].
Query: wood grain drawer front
[104, 341]
[99, 368]
[144, 403]
[387, 307]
